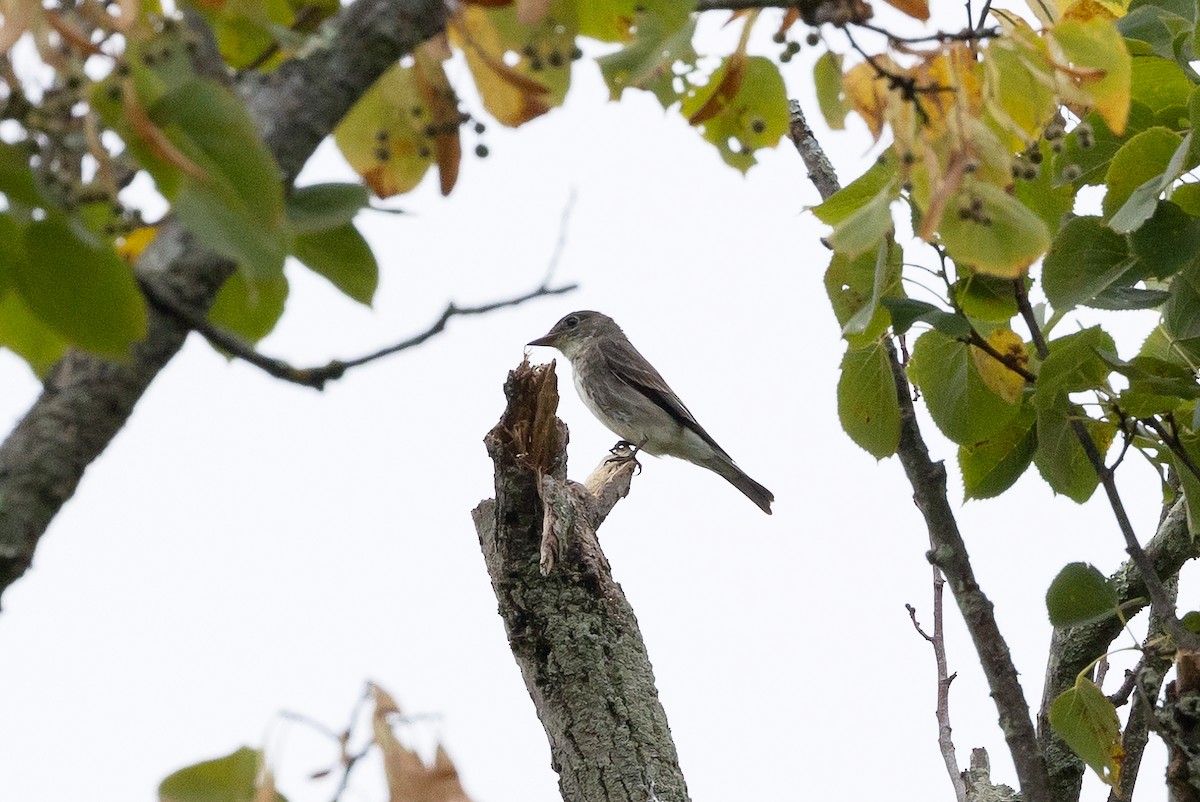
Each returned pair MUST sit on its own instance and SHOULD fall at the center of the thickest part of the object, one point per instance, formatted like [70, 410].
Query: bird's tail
[738, 478]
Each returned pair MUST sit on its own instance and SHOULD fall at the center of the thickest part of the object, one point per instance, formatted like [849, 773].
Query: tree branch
[938, 641]
[949, 552]
[87, 399]
[571, 630]
[1074, 648]
[1160, 600]
[318, 377]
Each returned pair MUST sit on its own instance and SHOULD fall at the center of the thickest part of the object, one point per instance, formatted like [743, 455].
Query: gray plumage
[628, 395]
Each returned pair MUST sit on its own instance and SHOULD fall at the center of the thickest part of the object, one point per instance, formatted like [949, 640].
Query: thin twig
[1171, 439]
[318, 377]
[966, 35]
[1159, 600]
[977, 340]
[944, 678]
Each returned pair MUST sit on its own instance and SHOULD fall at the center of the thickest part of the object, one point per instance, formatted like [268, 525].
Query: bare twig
[944, 678]
[966, 35]
[1159, 599]
[318, 377]
[949, 552]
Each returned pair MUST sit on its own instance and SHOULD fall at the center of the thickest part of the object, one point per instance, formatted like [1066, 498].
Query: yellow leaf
[998, 376]
[1101, 66]
[868, 93]
[992, 232]
[521, 70]
[401, 125]
[1019, 83]
[1084, 10]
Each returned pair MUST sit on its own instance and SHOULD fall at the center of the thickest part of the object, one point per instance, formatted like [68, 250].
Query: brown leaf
[153, 136]
[512, 97]
[532, 11]
[385, 704]
[408, 778]
[435, 89]
[16, 22]
[917, 9]
[726, 91]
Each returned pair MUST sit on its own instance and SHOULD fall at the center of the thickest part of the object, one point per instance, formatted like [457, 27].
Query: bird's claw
[625, 451]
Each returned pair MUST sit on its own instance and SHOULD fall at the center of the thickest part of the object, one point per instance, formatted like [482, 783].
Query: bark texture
[571, 630]
[86, 399]
[1073, 648]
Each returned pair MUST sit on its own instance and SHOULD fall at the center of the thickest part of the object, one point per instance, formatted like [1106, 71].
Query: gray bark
[1072, 649]
[87, 399]
[571, 630]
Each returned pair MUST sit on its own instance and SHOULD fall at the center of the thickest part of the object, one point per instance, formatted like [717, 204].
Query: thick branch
[1074, 648]
[86, 399]
[949, 552]
[573, 634]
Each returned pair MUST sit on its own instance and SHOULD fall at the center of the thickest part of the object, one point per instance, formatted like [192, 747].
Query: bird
[624, 391]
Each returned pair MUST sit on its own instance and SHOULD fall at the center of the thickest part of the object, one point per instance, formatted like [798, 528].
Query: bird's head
[569, 334]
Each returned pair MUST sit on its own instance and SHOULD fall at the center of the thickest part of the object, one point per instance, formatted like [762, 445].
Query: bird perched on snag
[628, 395]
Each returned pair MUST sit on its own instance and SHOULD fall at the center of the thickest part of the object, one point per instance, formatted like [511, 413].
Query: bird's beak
[548, 340]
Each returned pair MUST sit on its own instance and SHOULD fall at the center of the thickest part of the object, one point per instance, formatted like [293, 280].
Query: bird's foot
[625, 451]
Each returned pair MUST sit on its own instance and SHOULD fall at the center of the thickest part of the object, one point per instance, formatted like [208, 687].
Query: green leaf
[249, 310]
[1158, 83]
[321, 207]
[1191, 621]
[867, 404]
[232, 778]
[1049, 202]
[1074, 364]
[993, 465]
[827, 77]
[855, 195]
[237, 209]
[1093, 161]
[855, 287]
[1080, 595]
[1144, 200]
[1156, 26]
[907, 311]
[751, 115]
[1122, 299]
[1143, 158]
[1003, 241]
[1084, 718]
[983, 297]
[1166, 242]
[16, 179]
[1181, 315]
[342, 256]
[649, 61]
[865, 228]
[85, 293]
[960, 403]
[1187, 478]
[1060, 458]
[1084, 260]
[23, 333]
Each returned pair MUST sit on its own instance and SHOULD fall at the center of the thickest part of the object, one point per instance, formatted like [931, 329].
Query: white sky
[247, 546]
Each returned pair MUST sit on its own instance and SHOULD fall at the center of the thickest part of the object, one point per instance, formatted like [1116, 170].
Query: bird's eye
[571, 322]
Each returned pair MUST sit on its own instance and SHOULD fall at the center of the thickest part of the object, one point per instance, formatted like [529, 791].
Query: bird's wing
[632, 368]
